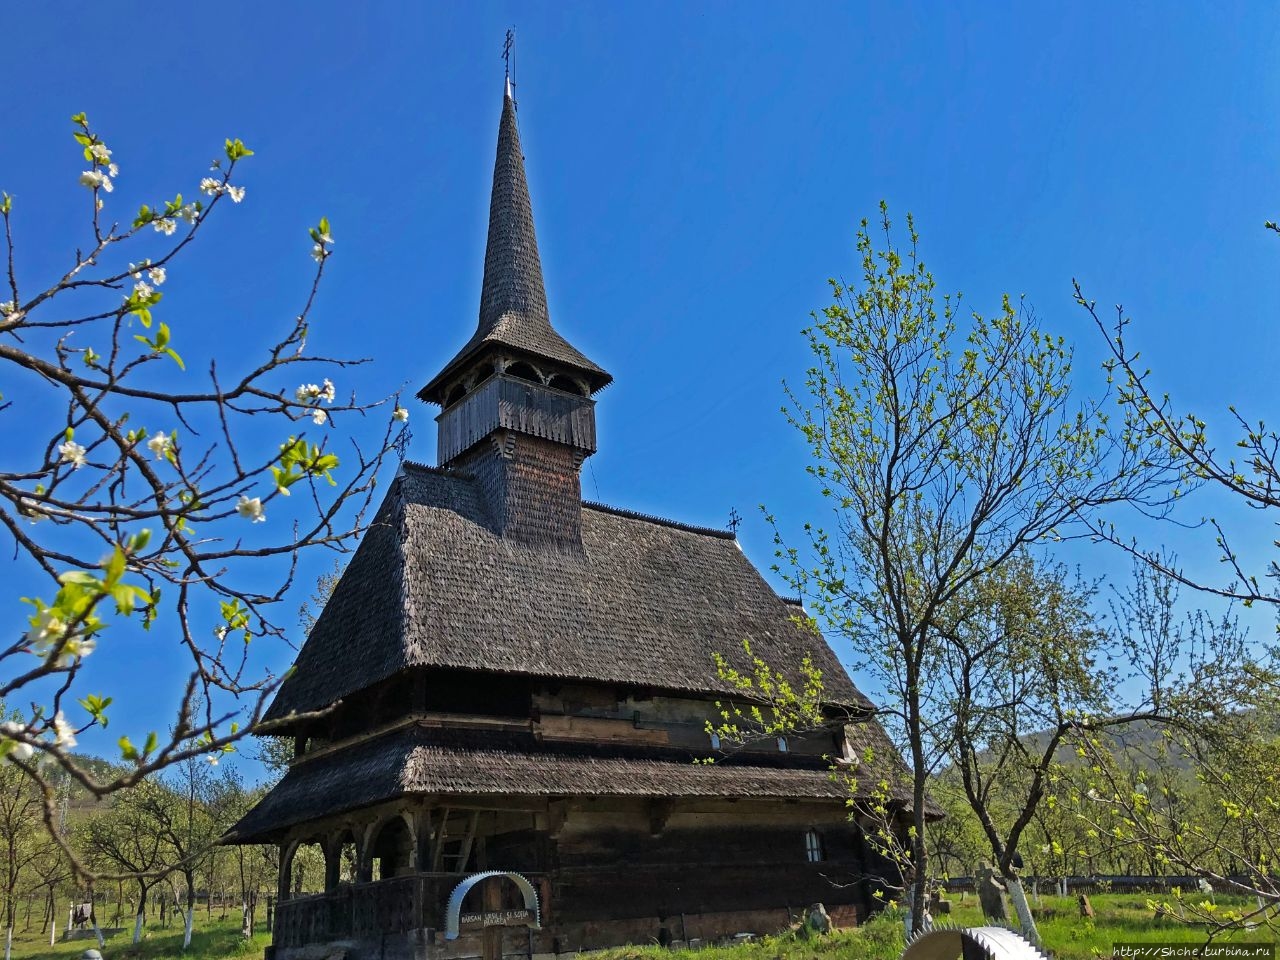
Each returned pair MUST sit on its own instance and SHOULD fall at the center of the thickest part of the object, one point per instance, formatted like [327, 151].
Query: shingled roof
[513, 299]
[449, 762]
[644, 603]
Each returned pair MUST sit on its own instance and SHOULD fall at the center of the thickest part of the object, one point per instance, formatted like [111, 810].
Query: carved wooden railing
[365, 910]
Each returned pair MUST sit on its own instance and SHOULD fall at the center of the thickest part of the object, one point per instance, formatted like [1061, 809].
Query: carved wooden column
[287, 851]
[333, 860]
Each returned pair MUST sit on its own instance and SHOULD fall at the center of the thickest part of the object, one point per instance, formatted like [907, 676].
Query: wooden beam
[468, 842]
[437, 842]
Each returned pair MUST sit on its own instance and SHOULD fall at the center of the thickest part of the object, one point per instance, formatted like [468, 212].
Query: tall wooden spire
[518, 413]
[513, 298]
[512, 290]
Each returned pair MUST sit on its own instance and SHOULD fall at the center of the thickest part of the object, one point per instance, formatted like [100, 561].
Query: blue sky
[697, 174]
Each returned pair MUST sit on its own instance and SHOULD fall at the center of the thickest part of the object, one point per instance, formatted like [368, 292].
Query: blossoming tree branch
[153, 512]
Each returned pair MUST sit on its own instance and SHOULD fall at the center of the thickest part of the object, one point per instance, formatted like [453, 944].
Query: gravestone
[991, 894]
[817, 919]
[1086, 908]
[938, 905]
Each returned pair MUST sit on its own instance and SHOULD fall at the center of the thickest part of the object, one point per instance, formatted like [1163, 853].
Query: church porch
[602, 872]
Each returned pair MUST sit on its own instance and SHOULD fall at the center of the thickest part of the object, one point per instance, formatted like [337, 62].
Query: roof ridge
[661, 521]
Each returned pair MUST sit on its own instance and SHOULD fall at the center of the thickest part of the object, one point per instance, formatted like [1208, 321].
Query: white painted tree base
[1025, 920]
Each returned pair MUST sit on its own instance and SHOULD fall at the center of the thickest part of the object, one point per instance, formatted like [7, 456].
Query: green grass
[214, 940]
[1120, 917]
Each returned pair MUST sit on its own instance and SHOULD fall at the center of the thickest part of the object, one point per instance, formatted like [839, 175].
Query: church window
[782, 745]
[715, 741]
[813, 851]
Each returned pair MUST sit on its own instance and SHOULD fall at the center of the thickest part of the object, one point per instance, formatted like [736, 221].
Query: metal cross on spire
[506, 51]
[735, 519]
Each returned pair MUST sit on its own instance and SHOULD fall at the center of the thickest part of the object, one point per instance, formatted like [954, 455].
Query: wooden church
[524, 682]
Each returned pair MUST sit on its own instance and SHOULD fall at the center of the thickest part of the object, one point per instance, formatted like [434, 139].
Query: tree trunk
[190, 919]
[93, 919]
[1025, 920]
[142, 914]
[919, 853]
[8, 943]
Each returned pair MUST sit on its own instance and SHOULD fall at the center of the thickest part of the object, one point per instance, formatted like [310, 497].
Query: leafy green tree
[1201, 795]
[1231, 749]
[185, 822]
[1028, 670]
[253, 868]
[22, 841]
[126, 842]
[945, 444]
[201, 489]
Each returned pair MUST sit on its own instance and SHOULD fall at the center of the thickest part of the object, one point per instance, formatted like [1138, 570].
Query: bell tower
[517, 408]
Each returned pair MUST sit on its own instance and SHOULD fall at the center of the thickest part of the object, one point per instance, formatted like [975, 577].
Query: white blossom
[93, 179]
[100, 153]
[251, 509]
[213, 759]
[156, 275]
[317, 253]
[1093, 794]
[75, 648]
[318, 417]
[19, 750]
[142, 290]
[400, 413]
[189, 213]
[160, 445]
[211, 186]
[325, 238]
[64, 733]
[220, 632]
[235, 193]
[113, 170]
[165, 225]
[72, 453]
[310, 392]
[7, 308]
[47, 628]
